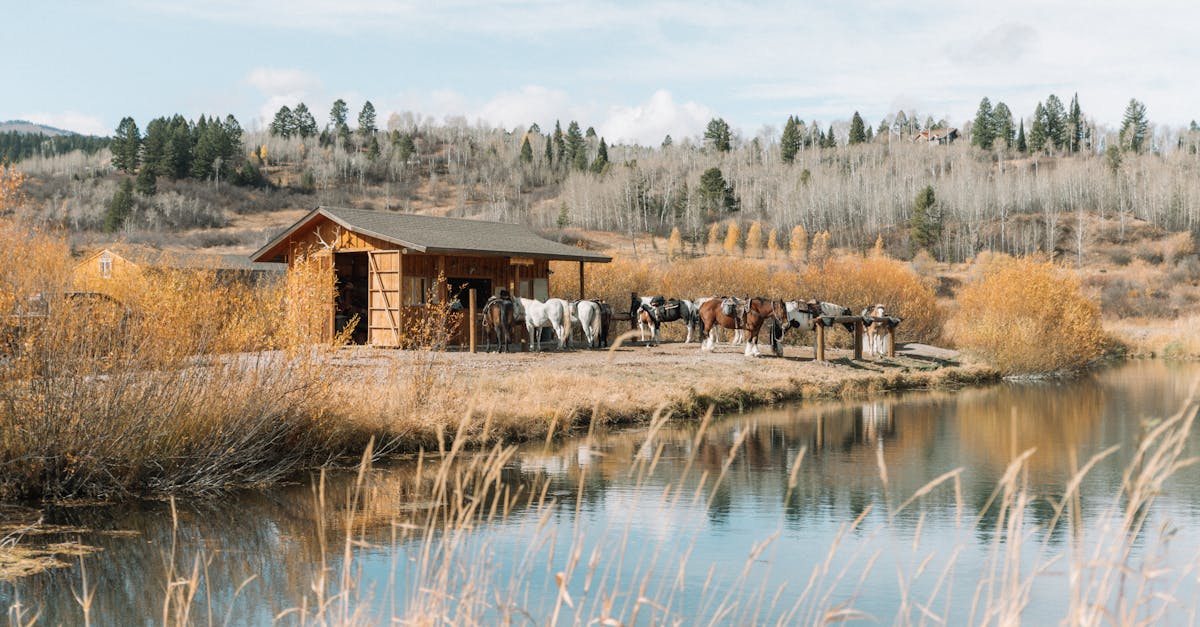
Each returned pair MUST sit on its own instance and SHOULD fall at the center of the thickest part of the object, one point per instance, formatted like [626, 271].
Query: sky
[635, 71]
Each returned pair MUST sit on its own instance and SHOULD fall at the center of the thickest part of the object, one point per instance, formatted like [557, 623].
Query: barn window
[416, 291]
[106, 265]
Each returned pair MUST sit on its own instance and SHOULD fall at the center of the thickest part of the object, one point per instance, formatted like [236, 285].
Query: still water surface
[623, 518]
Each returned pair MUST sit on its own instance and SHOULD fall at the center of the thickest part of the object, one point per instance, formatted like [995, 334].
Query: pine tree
[590, 133]
[284, 124]
[560, 144]
[1022, 147]
[830, 139]
[366, 120]
[789, 143]
[526, 150]
[549, 156]
[858, 133]
[120, 207]
[982, 133]
[1075, 125]
[1002, 124]
[717, 135]
[576, 147]
[373, 148]
[305, 123]
[926, 223]
[667, 141]
[1037, 131]
[1056, 122]
[126, 145]
[147, 182]
[338, 113]
[1135, 127]
[870, 134]
[600, 165]
[715, 195]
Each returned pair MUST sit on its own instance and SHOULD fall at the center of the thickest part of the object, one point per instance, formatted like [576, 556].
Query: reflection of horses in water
[732, 313]
[554, 313]
[876, 337]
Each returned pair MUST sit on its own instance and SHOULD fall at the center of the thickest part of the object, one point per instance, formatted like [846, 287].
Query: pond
[906, 506]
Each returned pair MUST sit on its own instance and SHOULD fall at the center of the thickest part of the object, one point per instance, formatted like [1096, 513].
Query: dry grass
[1024, 316]
[1170, 339]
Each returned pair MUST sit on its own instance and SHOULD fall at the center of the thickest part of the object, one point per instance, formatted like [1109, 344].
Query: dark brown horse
[499, 317]
[732, 313]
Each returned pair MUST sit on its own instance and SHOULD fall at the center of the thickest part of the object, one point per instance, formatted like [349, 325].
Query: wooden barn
[387, 264]
[119, 263]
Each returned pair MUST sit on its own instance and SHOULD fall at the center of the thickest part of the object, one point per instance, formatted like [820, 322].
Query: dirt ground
[527, 394]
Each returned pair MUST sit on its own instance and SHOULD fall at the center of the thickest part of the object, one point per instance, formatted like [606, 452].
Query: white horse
[587, 314]
[555, 313]
[876, 337]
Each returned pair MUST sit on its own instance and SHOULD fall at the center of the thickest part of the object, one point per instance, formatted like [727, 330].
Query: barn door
[383, 324]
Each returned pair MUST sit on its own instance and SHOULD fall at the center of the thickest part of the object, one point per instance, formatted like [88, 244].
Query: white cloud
[282, 81]
[532, 103]
[649, 122]
[282, 86]
[70, 121]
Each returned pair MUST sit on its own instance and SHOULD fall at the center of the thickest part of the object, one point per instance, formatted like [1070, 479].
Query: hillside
[23, 126]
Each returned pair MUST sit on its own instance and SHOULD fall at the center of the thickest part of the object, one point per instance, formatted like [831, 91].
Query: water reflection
[800, 471]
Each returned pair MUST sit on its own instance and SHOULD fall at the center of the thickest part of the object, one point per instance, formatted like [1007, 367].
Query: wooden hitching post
[580, 280]
[471, 313]
[858, 339]
[820, 340]
[891, 340]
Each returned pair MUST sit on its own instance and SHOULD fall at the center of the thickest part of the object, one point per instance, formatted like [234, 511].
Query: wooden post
[891, 340]
[820, 349]
[580, 280]
[471, 317]
[633, 314]
[858, 339]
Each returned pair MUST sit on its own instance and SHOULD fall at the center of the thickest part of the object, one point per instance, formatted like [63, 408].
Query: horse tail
[566, 325]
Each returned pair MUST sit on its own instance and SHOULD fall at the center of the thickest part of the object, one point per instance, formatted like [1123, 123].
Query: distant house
[100, 269]
[936, 136]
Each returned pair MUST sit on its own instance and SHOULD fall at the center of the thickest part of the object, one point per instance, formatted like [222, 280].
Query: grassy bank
[515, 397]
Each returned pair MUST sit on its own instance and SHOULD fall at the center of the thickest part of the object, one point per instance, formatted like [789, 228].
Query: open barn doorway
[460, 294]
[353, 281]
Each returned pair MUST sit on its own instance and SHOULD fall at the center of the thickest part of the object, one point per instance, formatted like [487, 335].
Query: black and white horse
[651, 312]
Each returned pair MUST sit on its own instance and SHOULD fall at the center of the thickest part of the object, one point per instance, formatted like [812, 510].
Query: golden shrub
[798, 245]
[1027, 316]
[733, 238]
[773, 244]
[858, 283]
[714, 238]
[675, 244]
[754, 240]
[820, 247]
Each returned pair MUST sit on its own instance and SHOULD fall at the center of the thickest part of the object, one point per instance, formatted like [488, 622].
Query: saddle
[735, 308]
[668, 311]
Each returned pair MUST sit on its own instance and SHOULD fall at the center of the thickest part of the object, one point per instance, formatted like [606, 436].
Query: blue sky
[634, 70]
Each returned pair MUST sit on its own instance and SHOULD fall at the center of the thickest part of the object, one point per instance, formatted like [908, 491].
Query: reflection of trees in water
[919, 436]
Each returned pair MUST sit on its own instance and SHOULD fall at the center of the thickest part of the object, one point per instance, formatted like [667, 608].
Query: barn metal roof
[435, 235]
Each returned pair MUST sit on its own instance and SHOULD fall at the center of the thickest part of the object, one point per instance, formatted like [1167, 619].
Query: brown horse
[738, 314]
[499, 316]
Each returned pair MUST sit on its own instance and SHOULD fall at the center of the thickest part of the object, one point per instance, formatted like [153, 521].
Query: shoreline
[520, 397]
